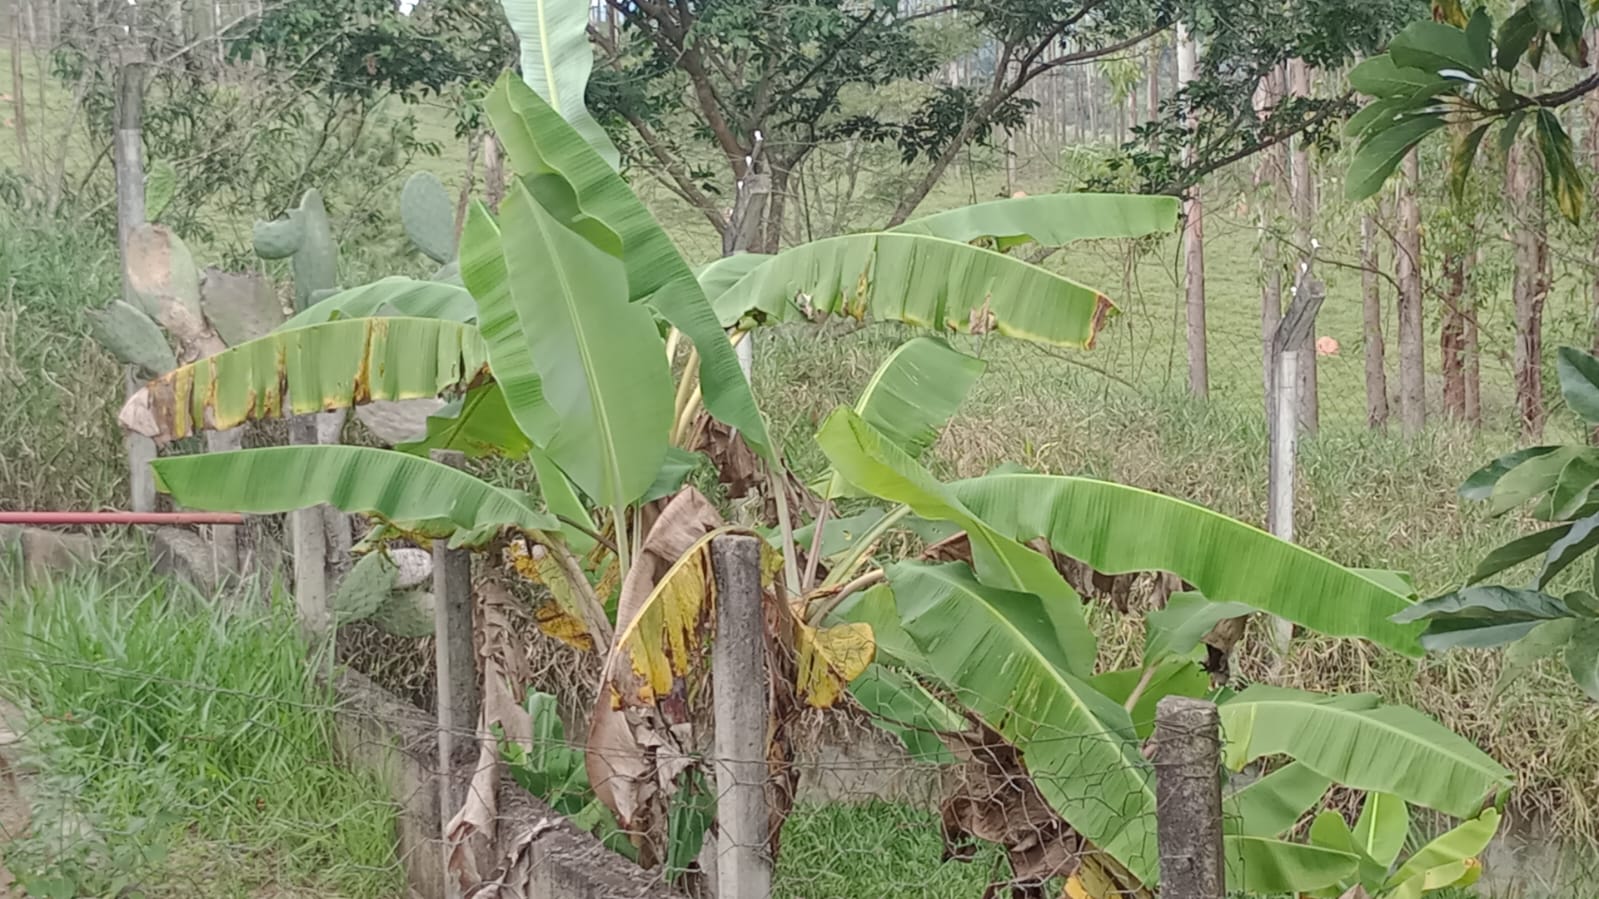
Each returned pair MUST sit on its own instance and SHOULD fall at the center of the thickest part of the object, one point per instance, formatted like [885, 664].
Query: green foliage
[1559, 481]
[428, 216]
[305, 237]
[1462, 70]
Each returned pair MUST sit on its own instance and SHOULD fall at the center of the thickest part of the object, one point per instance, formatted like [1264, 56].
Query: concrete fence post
[738, 669]
[1188, 822]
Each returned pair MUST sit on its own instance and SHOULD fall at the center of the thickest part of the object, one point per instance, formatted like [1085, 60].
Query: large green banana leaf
[911, 396]
[1174, 678]
[390, 296]
[1051, 219]
[478, 424]
[1355, 742]
[718, 276]
[1262, 866]
[485, 273]
[556, 62]
[926, 281]
[1177, 629]
[1119, 529]
[538, 141]
[333, 365]
[1272, 805]
[1001, 653]
[904, 708]
[600, 361]
[874, 464]
[355, 479]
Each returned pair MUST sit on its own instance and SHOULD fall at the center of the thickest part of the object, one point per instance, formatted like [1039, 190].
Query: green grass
[871, 851]
[182, 748]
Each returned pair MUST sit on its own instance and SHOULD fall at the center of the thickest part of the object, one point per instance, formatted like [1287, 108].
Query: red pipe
[94, 518]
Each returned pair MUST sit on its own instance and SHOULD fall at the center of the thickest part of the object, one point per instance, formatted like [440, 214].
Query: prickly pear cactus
[128, 334]
[305, 237]
[240, 307]
[388, 589]
[163, 276]
[429, 217]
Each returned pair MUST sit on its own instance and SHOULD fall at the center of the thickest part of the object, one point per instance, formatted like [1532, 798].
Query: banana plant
[1548, 616]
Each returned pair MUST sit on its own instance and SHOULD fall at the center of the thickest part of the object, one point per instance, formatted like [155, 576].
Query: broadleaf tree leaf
[1465, 152]
[1381, 77]
[1436, 48]
[1379, 155]
[1582, 538]
[1480, 485]
[1517, 551]
[1582, 657]
[1515, 34]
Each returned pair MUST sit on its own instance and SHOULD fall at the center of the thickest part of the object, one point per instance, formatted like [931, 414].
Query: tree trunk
[1193, 233]
[1371, 316]
[1010, 163]
[1530, 285]
[1303, 196]
[464, 200]
[1407, 259]
[1152, 98]
[19, 103]
[1270, 174]
[1591, 142]
[776, 204]
[1469, 349]
[1452, 337]
[493, 172]
[1080, 115]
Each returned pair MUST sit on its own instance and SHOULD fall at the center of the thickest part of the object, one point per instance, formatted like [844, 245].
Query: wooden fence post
[457, 698]
[1187, 755]
[738, 669]
[310, 549]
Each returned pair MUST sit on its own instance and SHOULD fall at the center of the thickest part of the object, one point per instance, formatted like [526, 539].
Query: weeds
[182, 749]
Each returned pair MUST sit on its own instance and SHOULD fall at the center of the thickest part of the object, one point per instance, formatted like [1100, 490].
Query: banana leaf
[478, 424]
[556, 62]
[1355, 742]
[911, 396]
[1119, 529]
[600, 361]
[1051, 219]
[874, 464]
[390, 296]
[537, 140]
[333, 365]
[1262, 866]
[356, 479]
[1001, 653]
[929, 282]
[1272, 805]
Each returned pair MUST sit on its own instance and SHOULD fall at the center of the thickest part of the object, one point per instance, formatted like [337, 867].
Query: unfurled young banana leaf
[538, 141]
[333, 365]
[556, 62]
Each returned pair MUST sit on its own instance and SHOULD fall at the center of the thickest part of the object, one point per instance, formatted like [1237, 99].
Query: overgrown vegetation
[181, 747]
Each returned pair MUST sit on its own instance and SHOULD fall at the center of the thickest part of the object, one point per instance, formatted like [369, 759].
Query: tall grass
[181, 747]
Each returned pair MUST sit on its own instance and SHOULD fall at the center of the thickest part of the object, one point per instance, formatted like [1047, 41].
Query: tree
[1371, 322]
[1407, 271]
[1531, 284]
[1193, 237]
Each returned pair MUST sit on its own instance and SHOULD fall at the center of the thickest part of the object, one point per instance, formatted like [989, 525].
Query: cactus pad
[408, 613]
[428, 216]
[278, 239]
[162, 274]
[364, 590]
[240, 307]
[130, 335]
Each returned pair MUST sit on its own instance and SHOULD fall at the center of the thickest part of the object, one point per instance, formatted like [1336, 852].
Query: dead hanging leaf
[831, 657]
[557, 612]
[982, 320]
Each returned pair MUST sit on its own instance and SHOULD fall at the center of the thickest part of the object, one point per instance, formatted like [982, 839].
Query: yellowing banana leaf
[1119, 529]
[1272, 805]
[333, 365]
[390, 296]
[1051, 219]
[830, 658]
[1262, 866]
[1001, 653]
[559, 613]
[1389, 749]
[911, 396]
[537, 140]
[930, 282]
[356, 479]
[556, 62]
[600, 361]
[872, 463]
